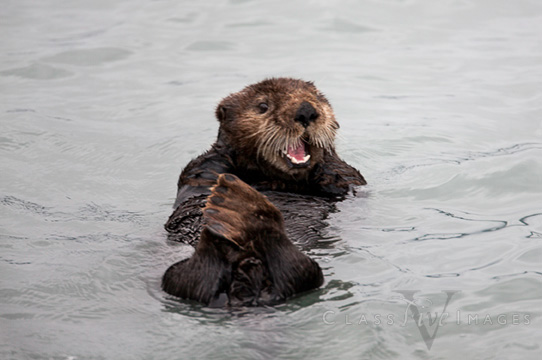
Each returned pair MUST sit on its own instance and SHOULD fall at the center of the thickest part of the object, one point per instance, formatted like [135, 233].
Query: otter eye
[263, 107]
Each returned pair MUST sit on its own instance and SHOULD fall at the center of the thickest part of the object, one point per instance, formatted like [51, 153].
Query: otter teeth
[297, 153]
[297, 162]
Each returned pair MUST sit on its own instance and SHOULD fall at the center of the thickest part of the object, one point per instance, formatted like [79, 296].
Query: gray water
[440, 104]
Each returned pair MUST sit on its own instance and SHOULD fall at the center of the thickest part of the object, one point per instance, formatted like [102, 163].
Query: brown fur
[244, 250]
[260, 137]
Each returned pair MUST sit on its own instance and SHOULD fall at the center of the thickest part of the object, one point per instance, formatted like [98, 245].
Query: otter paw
[234, 206]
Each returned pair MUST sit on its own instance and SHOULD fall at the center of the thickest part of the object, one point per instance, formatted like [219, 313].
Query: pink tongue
[297, 151]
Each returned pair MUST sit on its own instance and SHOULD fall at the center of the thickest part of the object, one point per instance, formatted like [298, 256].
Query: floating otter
[271, 177]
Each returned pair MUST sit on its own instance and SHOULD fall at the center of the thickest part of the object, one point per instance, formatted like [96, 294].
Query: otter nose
[305, 114]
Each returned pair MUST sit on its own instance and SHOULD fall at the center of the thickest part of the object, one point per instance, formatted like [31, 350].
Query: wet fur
[242, 226]
[243, 253]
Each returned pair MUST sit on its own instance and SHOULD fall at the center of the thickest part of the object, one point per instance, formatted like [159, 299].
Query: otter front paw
[234, 208]
[335, 178]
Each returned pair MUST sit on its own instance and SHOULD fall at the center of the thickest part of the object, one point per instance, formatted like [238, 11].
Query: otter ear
[221, 112]
[225, 110]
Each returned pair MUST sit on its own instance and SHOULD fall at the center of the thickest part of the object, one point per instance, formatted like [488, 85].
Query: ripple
[16, 203]
[89, 57]
[37, 71]
[532, 256]
[504, 151]
[88, 212]
[344, 26]
[471, 156]
[211, 46]
[533, 219]
[464, 217]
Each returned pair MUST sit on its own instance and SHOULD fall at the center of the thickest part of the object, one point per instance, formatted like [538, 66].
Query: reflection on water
[104, 102]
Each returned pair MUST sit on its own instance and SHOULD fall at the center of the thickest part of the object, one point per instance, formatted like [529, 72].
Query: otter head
[279, 126]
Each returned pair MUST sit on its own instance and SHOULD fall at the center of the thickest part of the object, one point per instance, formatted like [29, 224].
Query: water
[104, 102]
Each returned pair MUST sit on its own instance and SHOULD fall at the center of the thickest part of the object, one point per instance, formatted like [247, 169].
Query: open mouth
[297, 155]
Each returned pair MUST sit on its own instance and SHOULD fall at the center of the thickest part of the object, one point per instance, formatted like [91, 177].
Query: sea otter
[270, 178]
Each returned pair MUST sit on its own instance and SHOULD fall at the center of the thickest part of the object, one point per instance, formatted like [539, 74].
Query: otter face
[281, 123]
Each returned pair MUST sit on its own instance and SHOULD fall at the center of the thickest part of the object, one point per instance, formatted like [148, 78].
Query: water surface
[102, 104]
